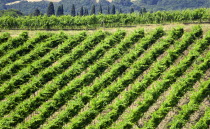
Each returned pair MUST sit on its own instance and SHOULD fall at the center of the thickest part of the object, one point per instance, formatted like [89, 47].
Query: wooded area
[123, 5]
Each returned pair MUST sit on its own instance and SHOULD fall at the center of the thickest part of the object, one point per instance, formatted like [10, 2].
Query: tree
[113, 9]
[132, 10]
[73, 12]
[50, 9]
[140, 11]
[120, 11]
[93, 10]
[86, 12]
[144, 10]
[60, 10]
[100, 9]
[108, 10]
[81, 11]
[36, 12]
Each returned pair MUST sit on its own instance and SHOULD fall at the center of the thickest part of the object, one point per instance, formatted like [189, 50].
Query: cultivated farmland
[156, 79]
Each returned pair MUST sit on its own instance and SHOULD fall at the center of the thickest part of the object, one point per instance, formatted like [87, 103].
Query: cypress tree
[36, 12]
[141, 11]
[108, 10]
[144, 10]
[62, 11]
[81, 11]
[132, 10]
[113, 9]
[73, 12]
[100, 9]
[86, 11]
[59, 10]
[50, 9]
[120, 11]
[93, 10]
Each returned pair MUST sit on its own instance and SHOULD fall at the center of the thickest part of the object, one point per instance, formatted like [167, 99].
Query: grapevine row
[4, 37]
[103, 81]
[13, 43]
[180, 88]
[70, 73]
[37, 82]
[25, 74]
[91, 76]
[39, 51]
[32, 87]
[89, 92]
[73, 72]
[97, 104]
[129, 96]
[186, 110]
[22, 50]
[104, 20]
[204, 122]
[168, 78]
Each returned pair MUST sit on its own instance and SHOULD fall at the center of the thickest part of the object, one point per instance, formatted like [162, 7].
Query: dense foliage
[103, 79]
[10, 12]
[94, 21]
[155, 5]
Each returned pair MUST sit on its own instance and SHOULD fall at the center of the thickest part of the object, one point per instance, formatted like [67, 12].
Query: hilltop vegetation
[173, 4]
[10, 12]
[124, 5]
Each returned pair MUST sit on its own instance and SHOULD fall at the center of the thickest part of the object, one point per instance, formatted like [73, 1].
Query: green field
[156, 77]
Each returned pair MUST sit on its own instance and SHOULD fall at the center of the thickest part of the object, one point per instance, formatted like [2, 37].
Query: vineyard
[155, 79]
[65, 22]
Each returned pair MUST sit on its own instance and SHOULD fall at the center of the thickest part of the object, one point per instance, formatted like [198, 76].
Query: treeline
[102, 20]
[82, 11]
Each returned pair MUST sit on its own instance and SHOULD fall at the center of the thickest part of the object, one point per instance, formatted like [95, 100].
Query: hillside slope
[105, 80]
[27, 6]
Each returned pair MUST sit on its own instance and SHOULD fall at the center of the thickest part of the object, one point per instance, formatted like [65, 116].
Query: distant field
[149, 76]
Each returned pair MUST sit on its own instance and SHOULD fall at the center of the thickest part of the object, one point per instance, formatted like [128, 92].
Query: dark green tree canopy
[93, 10]
[36, 12]
[50, 9]
[86, 12]
[132, 10]
[60, 10]
[100, 9]
[120, 10]
[81, 11]
[113, 9]
[108, 10]
[144, 10]
[73, 11]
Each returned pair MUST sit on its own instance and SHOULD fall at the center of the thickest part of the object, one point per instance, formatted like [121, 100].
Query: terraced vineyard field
[157, 79]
